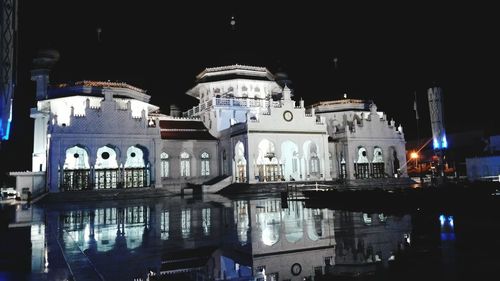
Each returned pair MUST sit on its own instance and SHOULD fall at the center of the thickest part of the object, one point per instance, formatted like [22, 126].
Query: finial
[373, 108]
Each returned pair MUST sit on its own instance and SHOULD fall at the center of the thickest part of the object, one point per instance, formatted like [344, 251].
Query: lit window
[206, 221]
[314, 164]
[205, 164]
[165, 165]
[165, 225]
[186, 223]
[185, 165]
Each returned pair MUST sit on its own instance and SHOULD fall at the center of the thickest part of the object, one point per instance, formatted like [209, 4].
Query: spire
[373, 109]
[286, 93]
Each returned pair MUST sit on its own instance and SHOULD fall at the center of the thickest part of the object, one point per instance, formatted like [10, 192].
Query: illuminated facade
[363, 144]
[265, 136]
[245, 129]
[95, 135]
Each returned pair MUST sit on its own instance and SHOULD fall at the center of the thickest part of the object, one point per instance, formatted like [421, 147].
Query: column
[156, 165]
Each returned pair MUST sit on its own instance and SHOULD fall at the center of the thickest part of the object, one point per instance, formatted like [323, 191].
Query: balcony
[229, 102]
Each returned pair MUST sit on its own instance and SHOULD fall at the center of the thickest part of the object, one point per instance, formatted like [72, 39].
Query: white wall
[194, 148]
[488, 166]
[369, 132]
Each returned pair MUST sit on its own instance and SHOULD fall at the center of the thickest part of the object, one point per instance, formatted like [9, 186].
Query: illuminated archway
[290, 160]
[378, 169]
[106, 168]
[136, 170]
[314, 160]
[76, 169]
[268, 166]
[241, 162]
[361, 164]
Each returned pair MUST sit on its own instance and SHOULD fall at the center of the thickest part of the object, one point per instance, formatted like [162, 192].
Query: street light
[414, 155]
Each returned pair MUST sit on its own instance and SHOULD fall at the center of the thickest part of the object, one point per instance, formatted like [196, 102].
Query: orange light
[414, 155]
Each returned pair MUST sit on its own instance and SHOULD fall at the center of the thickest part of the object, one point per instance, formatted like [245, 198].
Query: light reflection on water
[242, 238]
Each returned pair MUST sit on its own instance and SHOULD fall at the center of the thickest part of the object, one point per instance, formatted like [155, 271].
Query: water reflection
[206, 240]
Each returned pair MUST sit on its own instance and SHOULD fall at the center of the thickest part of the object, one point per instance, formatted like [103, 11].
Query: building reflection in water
[366, 242]
[253, 238]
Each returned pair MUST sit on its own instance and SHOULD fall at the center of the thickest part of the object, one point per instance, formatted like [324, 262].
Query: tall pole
[416, 118]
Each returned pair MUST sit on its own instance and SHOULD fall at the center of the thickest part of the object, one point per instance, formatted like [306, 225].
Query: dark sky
[385, 52]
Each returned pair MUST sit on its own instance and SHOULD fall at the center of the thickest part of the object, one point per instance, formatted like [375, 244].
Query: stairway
[217, 186]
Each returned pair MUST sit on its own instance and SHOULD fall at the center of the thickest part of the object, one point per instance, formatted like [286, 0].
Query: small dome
[46, 58]
[282, 79]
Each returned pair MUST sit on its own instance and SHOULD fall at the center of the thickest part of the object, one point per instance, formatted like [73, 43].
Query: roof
[234, 71]
[98, 88]
[184, 129]
[100, 84]
[341, 105]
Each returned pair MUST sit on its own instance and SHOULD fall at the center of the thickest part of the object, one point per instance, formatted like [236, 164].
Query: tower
[40, 74]
[439, 141]
[8, 37]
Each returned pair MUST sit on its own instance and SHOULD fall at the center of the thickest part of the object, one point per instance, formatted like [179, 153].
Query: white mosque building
[93, 135]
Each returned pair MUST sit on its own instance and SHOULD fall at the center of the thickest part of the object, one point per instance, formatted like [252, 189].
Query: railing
[230, 102]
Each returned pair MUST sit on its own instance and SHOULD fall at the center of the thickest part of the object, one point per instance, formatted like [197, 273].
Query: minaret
[40, 74]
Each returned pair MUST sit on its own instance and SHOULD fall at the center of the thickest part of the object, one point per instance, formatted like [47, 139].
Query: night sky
[384, 53]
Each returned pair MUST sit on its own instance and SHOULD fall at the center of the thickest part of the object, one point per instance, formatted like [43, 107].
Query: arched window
[106, 174]
[76, 171]
[186, 222]
[378, 169]
[165, 165]
[295, 162]
[185, 165]
[205, 164]
[314, 165]
[361, 166]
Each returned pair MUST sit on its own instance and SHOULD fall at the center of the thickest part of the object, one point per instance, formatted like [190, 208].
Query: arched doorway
[76, 169]
[378, 169]
[106, 173]
[136, 171]
[314, 167]
[241, 162]
[361, 165]
[268, 166]
[290, 160]
[395, 162]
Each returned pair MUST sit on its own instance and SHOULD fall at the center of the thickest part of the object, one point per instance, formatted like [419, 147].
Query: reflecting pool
[245, 238]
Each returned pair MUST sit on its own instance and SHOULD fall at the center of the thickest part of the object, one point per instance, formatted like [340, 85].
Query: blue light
[444, 142]
[441, 219]
[5, 134]
[7, 131]
[450, 220]
[436, 144]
